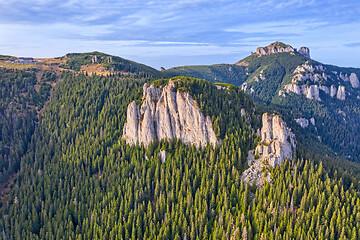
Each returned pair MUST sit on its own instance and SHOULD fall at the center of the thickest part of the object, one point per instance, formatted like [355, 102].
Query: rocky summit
[304, 51]
[279, 47]
[277, 143]
[276, 47]
[167, 114]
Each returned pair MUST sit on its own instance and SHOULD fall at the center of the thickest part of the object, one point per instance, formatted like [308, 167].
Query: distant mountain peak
[276, 47]
[279, 47]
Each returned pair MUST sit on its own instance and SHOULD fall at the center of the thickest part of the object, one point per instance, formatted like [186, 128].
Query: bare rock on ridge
[166, 114]
[354, 80]
[276, 47]
[277, 144]
[304, 51]
[341, 93]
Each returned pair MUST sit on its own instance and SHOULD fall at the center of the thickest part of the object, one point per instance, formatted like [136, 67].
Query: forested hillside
[300, 88]
[80, 180]
[218, 73]
[22, 96]
[84, 61]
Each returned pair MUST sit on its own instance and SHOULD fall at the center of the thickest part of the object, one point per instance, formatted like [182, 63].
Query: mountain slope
[103, 63]
[81, 180]
[26, 85]
[23, 94]
[323, 99]
[233, 74]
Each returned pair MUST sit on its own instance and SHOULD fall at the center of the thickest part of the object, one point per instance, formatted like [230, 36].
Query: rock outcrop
[304, 51]
[276, 47]
[279, 47]
[341, 93]
[333, 91]
[354, 80]
[311, 92]
[325, 89]
[344, 77]
[303, 122]
[277, 144]
[166, 114]
[312, 121]
[293, 88]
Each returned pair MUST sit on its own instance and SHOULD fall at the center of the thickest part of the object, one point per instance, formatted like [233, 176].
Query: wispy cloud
[164, 29]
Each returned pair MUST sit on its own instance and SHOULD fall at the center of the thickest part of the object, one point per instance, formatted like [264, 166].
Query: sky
[172, 33]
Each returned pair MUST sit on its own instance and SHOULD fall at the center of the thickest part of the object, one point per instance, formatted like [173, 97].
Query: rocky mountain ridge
[300, 88]
[277, 143]
[279, 47]
[167, 114]
[309, 78]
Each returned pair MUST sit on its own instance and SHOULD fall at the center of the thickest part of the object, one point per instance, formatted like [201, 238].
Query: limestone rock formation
[166, 114]
[325, 89]
[344, 77]
[304, 51]
[341, 93]
[354, 80]
[303, 122]
[333, 91]
[293, 88]
[276, 47]
[277, 144]
[308, 71]
[311, 92]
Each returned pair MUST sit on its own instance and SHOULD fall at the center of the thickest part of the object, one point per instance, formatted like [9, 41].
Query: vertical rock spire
[166, 114]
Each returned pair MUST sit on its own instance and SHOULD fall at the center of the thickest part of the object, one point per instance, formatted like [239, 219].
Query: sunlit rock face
[276, 47]
[304, 51]
[166, 114]
[277, 143]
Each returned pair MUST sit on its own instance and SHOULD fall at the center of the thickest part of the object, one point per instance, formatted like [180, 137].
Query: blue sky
[186, 32]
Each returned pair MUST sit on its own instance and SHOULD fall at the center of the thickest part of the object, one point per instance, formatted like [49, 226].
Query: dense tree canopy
[80, 180]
